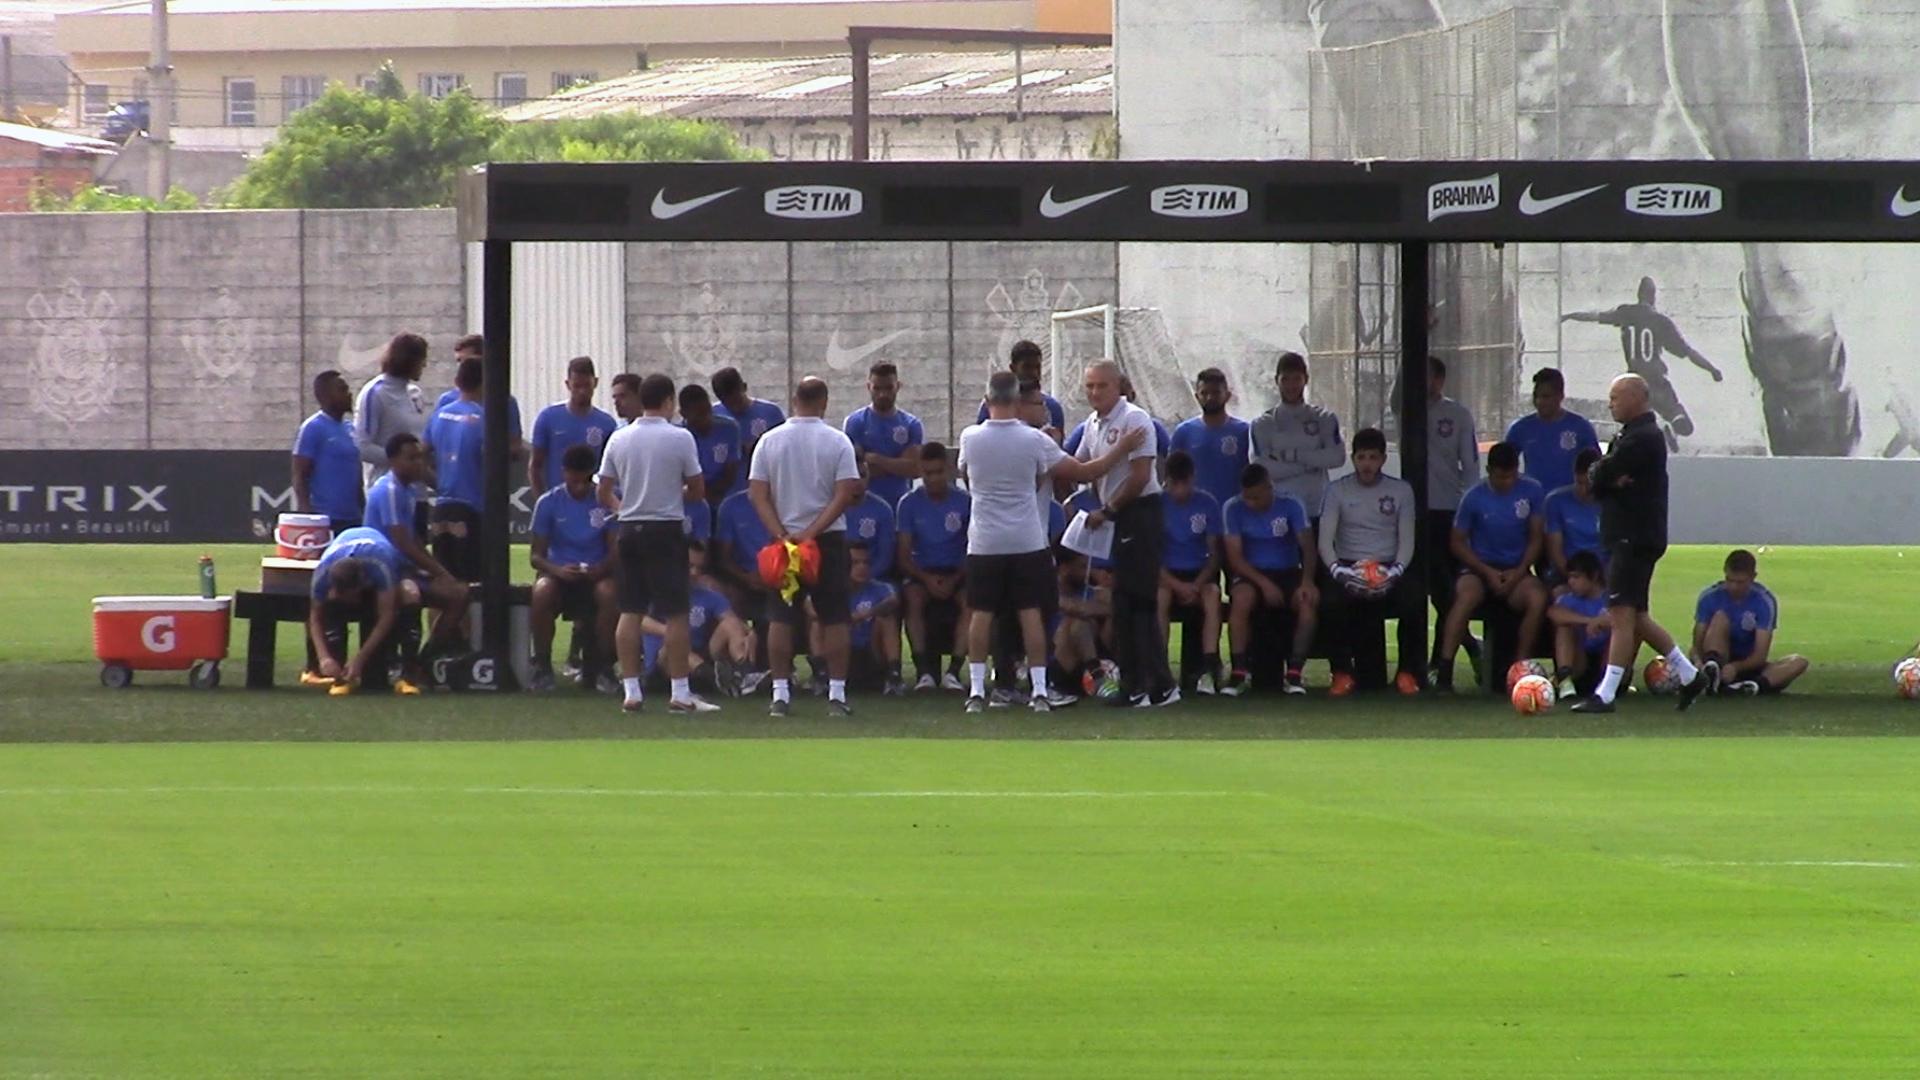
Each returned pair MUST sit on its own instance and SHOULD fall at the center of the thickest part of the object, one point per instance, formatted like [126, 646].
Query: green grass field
[249, 885]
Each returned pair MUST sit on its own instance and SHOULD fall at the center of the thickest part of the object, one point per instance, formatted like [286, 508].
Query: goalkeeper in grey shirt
[1366, 537]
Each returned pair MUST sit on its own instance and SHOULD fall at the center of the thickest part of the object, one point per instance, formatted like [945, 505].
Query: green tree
[619, 137]
[92, 198]
[352, 148]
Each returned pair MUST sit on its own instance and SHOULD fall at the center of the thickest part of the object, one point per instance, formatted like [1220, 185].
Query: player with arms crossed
[1733, 626]
[1631, 483]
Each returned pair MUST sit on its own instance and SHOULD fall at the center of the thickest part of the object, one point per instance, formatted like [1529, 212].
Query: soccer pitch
[281, 885]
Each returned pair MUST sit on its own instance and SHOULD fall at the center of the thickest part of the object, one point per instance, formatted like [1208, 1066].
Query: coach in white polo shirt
[803, 478]
[1130, 499]
[649, 471]
[1009, 564]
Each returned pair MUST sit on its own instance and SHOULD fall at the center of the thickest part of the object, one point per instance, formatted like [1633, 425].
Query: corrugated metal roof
[57, 140]
[1061, 81]
[271, 7]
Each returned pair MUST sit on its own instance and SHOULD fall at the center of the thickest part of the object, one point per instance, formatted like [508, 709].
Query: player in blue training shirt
[870, 521]
[1572, 520]
[738, 537]
[716, 439]
[390, 511]
[326, 460]
[873, 627]
[1497, 538]
[931, 552]
[755, 416]
[1552, 437]
[1733, 626]
[721, 646]
[1270, 555]
[886, 438]
[455, 443]
[697, 520]
[358, 576]
[1190, 574]
[573, 554]
[1582, 628]
[1217, 441]
[1024, 362]
[566, 424]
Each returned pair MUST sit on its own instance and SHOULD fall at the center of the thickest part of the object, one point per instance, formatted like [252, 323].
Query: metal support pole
[6, 79]
[862, 92]
[159, 108]
[496, 305]
[1414, 305]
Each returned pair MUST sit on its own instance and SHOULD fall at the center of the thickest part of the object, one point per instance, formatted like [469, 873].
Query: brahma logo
[1199, 201]
[157, 634]
[1463, 197]
[812, 202]
[1674, 200]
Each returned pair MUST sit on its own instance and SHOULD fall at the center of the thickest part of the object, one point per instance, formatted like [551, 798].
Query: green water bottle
[206, 577]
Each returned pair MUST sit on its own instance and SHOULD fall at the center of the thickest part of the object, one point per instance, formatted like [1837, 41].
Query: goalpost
[1137, 339]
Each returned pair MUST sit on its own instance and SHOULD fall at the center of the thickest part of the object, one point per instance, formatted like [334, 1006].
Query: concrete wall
[200, 171]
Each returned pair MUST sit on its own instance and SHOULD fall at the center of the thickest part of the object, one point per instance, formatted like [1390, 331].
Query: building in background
[253, 63]
[57, 161]
[1051, 104]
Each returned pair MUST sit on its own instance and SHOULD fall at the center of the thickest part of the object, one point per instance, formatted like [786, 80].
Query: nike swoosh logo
[841, 358]
[1533, 207]
[1903, 206]
[667, 211]
[1050, 208]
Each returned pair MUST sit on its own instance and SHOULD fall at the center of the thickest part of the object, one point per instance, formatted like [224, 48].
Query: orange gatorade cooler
[160, 633]
[302, 536]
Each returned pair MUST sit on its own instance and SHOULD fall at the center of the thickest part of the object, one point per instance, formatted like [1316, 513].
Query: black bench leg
[262, 639]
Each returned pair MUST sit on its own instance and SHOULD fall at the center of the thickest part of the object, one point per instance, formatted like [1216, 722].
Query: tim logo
[1674, 200]
[1463, 197]
[1199, 201]
[812, 202]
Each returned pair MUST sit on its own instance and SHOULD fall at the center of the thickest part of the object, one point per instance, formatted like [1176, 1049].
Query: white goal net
[1137, 339]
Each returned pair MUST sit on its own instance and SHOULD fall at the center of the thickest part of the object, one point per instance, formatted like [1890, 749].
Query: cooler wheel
[205, 675]
[116, 676]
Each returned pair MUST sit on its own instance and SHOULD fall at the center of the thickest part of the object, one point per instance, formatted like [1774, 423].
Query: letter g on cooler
[158, 635]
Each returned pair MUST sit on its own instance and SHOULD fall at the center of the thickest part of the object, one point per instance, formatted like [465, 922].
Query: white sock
[978, 672]
[682, 691]
[1039, 676]
[837, 690]
[783, 690]
[1682, 666]
[1610, 683]
[632, 687]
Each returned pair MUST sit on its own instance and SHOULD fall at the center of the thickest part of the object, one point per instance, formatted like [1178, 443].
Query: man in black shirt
[1631, 484]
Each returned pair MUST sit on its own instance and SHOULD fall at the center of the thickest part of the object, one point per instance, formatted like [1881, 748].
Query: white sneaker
[1060, 699]
[925, 684]
[691, 706]
[1039, 704]
[1204, 685]
[951, 682]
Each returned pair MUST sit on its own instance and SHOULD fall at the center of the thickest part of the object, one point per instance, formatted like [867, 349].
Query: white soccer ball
[1906, 678]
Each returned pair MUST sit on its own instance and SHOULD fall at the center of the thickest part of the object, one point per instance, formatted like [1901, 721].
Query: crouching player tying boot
[1733, 626]
[720, 645]
[573, 552]
[1582, 627]
[359, 575]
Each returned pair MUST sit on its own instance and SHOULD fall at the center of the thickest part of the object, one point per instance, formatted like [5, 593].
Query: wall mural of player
[1739, 73]
[1645, 335]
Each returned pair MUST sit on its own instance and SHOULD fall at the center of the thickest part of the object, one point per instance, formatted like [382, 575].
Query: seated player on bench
[1582, 627]
[1190, 578]
[1367, 532]
[1733, 626]
[720, 646]
[1497, 536]
[574, 556]
[1271, 556]
[359, 568]
[1571, 516]
[931, 525]
[1084, 635]
[391, 511]
[873, 628]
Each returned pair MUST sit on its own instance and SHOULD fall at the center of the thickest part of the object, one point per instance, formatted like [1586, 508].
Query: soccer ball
[1373, 575]
[1532, 694]
[1102, 681]
[1906, 677]
[1660, 678]
[1523, 668]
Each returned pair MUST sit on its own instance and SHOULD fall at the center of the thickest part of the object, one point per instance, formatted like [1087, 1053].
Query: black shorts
[653, 569]
[830, 594]
[576, 598]
[1288, 580]
[454, 529]
[1630, 575]
[1002, 584]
